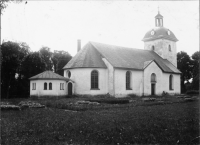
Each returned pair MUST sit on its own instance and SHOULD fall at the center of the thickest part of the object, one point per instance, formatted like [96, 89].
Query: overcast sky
[58, 24]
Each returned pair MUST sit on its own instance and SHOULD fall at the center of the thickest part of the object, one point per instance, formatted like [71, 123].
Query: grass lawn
[172, 123]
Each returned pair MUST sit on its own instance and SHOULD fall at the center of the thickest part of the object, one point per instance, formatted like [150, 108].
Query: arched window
[153, 78]
[128, 80]
[69, 74]
[50, 86]
[94, 80]
[153, 48]
[171, 82]
[169, 48]
[45, 86]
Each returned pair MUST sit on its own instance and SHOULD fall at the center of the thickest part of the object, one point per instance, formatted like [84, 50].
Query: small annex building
[99, 69]
[50, 84]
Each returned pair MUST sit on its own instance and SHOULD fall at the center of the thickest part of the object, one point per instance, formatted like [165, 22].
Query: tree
[60, 59]
[184, 64]
[195, 70]
[3, 4]
[46, 56]
[13, 55]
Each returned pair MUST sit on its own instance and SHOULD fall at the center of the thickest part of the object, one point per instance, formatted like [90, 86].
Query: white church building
[99, 69]
[119, 71]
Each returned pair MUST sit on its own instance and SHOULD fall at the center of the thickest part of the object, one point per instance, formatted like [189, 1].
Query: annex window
[153, 78]
[128, 80]
[153, 48]
[61, 86]
[169, 47]
[94, 80]
[45, 86]
[68, 74]
[171, 82]
[50, 86]
[33, 86]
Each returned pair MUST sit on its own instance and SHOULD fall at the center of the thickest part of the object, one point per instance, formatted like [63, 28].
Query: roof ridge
[116, 45]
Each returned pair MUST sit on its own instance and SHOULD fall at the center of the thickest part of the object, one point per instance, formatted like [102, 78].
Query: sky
[59, 24]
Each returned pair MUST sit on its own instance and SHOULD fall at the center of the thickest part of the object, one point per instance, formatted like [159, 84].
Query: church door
[69, 88]
[153, 87]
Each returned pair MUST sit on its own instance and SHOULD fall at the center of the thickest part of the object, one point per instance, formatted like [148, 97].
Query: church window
[128, 80]
[153, 78]
[170, 48]
[94, 79]
[153, 48]
[45, 86]
[171, 82]
[69, 74]
[50, 86]
[33, 86]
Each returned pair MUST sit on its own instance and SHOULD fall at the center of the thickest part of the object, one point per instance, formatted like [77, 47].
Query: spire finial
[158, 10]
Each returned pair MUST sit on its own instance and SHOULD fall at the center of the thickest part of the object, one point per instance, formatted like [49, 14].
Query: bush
[192, 92]
[110, 101]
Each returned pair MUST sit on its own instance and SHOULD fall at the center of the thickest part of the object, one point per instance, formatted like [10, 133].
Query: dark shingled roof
[160, 32]
[119, 57]
[48, 75]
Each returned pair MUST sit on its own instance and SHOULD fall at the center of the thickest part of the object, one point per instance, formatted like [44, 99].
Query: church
[99, 69]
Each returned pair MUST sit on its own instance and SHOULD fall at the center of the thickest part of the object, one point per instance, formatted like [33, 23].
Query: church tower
[161, 40]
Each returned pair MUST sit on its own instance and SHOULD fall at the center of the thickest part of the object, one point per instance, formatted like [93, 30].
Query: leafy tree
[3, 4]
[184, 64]
[60, 59]
[46, 55]
[32, 65]
[195, 70]
[13, 55]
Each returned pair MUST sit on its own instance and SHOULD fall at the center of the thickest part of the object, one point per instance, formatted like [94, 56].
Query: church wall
[82, 80]
[55, 88]
[162, 49]
[153, 68]
[120, 83]
[176, 83]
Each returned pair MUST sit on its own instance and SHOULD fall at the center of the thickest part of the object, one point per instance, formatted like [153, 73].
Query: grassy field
[173, 122]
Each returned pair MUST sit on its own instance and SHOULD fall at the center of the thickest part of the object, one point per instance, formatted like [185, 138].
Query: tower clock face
[168, 32]
[152, 32]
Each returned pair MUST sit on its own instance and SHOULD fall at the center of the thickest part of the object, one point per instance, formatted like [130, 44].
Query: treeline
[189, 66]
[19, 63]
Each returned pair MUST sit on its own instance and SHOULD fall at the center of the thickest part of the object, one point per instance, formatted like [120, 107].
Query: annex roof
[118, 57]
[48, 75]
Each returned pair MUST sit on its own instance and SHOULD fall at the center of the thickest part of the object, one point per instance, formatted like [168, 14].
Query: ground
[169, 120]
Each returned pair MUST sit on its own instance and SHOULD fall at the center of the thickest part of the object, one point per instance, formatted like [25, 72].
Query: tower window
[153, 48]
[170, 48]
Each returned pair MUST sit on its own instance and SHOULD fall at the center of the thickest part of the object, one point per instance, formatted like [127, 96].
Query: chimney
[78, 45]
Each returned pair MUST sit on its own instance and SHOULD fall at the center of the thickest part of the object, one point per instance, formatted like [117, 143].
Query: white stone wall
[176, 83]
[55, 88]
[120, 83]
[161, 48]
[82, 80]
[153, 68]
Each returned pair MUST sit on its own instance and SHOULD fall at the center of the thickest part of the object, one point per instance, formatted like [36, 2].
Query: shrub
[192, 92]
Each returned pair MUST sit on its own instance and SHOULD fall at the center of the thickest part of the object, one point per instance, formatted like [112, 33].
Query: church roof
[159, 32]
[48, 75]
[119, 57]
